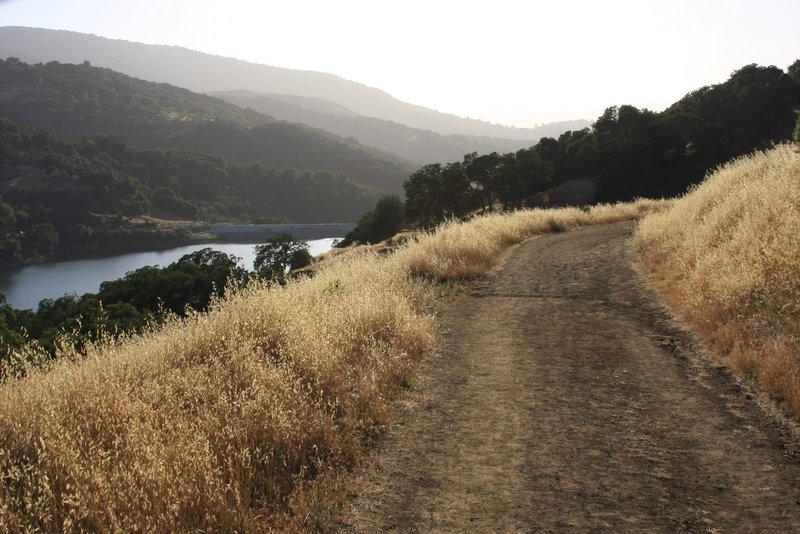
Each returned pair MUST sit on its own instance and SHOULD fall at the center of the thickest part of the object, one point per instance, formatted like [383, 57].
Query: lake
[25, 287]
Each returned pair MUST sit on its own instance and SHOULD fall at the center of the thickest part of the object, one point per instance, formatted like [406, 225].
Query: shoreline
[27, 286]
[223, 233]
[74, 251]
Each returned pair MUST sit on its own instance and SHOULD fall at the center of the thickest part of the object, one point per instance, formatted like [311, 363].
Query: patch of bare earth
[565, 399]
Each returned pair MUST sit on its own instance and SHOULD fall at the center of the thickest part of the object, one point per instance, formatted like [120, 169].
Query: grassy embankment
[240, 418]
[726, 257]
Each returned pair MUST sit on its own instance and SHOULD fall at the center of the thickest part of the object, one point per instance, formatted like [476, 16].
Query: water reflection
[25, 287]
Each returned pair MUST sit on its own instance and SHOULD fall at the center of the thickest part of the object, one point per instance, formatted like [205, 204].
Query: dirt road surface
[564, 399]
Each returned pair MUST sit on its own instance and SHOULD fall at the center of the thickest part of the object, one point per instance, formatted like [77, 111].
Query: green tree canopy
[382, 222]
[629, 152]
[279, 255]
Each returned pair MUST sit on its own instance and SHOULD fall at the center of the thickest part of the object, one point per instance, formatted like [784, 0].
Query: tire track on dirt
[565, 399]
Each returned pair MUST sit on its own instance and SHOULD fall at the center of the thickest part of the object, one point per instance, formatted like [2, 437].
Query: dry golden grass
[459, 251]
[239, 419]
[727, 259]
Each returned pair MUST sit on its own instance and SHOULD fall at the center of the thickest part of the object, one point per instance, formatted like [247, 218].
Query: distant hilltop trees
[628, 152]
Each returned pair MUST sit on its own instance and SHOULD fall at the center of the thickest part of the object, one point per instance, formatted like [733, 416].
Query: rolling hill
[205, 73]
[60, 193]
[88, 100]
[416, 144]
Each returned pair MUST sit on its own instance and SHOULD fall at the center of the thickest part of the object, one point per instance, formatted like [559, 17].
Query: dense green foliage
[87, 100]
[293, 145]
[628, 152]
[79, 191]
[383, 221]
[279, 255]
[797, 131]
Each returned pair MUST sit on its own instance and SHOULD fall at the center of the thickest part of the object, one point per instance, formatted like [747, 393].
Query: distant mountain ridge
[88, 100]
[202, 72]
[422, 146]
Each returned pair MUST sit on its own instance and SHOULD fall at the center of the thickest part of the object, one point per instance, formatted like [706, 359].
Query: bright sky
[513, 62]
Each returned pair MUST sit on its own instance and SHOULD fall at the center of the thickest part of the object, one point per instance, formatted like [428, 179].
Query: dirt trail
[565, 400]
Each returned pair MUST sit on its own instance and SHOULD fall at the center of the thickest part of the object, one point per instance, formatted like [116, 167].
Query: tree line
[628, 152]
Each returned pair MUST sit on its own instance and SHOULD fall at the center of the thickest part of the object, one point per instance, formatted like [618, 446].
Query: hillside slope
[204, 73]
[80, 192]
[241, 418]
[87, 100]
[725, 257]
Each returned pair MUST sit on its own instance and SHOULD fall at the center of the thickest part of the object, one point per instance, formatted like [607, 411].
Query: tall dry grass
[460, 251]
[727, 258]
[238, 419]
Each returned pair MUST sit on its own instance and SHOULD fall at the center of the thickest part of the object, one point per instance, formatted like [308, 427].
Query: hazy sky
[514, 62]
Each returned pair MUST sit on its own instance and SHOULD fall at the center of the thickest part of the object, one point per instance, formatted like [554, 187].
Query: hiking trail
[565, 398]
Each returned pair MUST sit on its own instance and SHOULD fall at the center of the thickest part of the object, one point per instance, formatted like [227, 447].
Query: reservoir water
[25, 287]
